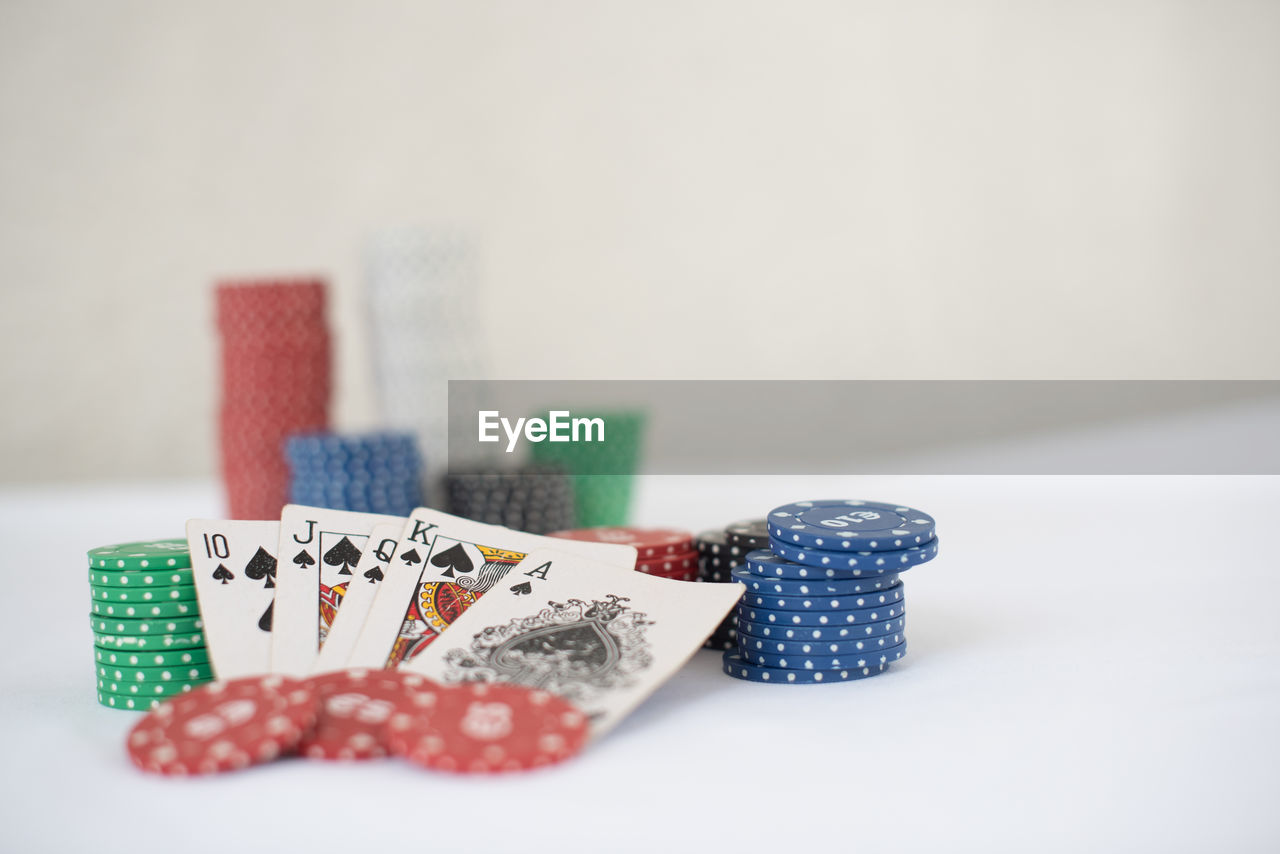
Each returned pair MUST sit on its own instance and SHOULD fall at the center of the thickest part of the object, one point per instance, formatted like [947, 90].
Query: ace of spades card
[443, 564]
[375, 563]
[319, 550]
[602, 640]
[234, 566]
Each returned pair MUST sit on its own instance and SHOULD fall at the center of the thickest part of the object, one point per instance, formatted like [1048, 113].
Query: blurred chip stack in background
[533, 499]
[425, 330]
[276, 381]
[603, 472]
[367, 473]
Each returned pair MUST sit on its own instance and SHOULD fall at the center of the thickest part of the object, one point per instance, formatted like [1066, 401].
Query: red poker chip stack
[276, 381]
[662, 552]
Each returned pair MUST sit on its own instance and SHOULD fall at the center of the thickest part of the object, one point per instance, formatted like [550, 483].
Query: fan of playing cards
[459, 645]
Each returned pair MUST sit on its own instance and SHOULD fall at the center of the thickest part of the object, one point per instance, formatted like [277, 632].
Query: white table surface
[1094, 665]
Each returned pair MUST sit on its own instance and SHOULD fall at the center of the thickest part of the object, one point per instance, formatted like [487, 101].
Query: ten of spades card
[443, 564]
[319, 551]
[375, 563]
[602, 640]
[234, 567]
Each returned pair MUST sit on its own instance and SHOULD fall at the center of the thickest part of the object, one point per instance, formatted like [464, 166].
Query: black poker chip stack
[536, 499]
[719, 552]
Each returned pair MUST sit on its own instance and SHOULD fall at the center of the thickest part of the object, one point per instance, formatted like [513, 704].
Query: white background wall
[663, 189]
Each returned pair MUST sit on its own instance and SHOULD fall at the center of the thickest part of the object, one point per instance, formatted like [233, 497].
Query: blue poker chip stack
[369, 473]
[824, 603]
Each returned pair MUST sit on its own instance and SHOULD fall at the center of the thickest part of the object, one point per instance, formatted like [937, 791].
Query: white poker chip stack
[425, 330]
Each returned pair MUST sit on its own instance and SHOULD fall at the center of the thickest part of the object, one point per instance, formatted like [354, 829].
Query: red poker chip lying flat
[223, 726]
[478, 728]
[354, 708]
[650, 543]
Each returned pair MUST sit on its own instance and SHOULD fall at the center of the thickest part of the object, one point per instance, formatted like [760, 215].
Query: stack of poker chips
[719, 553]
[276, 364]
[532, 499]
[424, 329]
[147, 634]
[662, 552]
[603, 472]
[368, 473]
[825, 603]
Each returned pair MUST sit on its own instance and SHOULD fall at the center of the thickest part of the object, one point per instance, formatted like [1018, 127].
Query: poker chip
[145, 611]
[716, 561]
[753, 645]
[817, 587]
[536, 499]
[649, 543]
[840, 525]
[180, 593]
[766, 564]
[368, 473]
[832, 603]
[151, 658]
[424, 320]
[826, 617]
[684, 567]
[807, 661]
[749, 535]
[276, 363]
[354, 707]
[602, 473]
[488, 728]
[737, 667]
[162, 626]
[139, 578]
[749, 629]
[223, 726]
[859, 563]
[149, 642]
[148, 689]
[129, 702]
[151, 675]
[149, 555]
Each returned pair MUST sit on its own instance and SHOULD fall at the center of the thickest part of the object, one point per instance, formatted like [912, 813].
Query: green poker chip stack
[602, 473]
[148, 637]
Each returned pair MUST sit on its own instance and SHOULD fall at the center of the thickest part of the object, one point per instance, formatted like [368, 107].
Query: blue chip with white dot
[801, 602]
[850, 525]
[859, 564]
[749, 645]
[805, 634]
[818, 586]
[736, 667]
[790, 661]
[749, 613]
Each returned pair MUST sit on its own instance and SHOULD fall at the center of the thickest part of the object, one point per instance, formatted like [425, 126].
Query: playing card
[319, 550]
[347, 624]
[602, 640]
[234, 566]
[442, 565]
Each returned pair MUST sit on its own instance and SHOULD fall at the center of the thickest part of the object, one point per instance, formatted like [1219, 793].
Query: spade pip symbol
[344, 554]
[223, 574]
[411, 557]
[304, 560]
[262, 565]
[524, 588]
[453, 559]
[374, 575]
